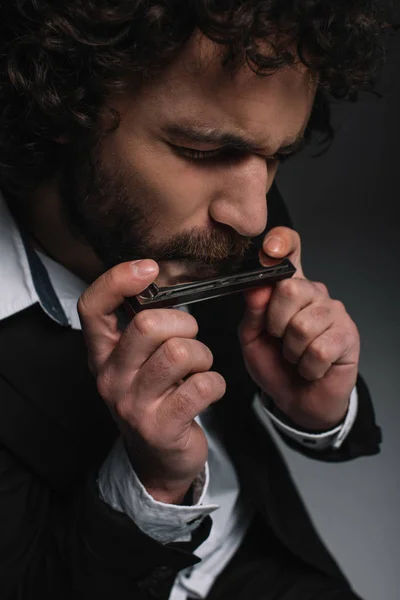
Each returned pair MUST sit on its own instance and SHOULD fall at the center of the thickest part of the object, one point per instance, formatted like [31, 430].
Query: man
[133, 132]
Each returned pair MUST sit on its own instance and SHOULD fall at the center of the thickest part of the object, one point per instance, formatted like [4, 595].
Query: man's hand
[300, 346]
[154, 377]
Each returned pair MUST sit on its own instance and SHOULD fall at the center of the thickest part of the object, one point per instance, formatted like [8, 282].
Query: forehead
[197, 89]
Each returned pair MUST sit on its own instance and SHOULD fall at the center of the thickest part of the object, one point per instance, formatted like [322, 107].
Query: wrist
[165, 481]
[306, 421]
[310, 424]
[180, 496]
[159, 483]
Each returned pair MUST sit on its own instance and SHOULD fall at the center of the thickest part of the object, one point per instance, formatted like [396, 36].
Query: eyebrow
[211, 136]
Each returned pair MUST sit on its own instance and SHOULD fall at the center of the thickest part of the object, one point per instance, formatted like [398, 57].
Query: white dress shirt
[217, 488]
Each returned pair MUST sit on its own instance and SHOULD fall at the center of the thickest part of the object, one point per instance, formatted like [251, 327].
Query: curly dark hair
[59, 60]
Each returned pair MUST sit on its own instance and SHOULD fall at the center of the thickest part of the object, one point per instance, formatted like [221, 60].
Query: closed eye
[199, 154]
[219, 153]
[229, 153]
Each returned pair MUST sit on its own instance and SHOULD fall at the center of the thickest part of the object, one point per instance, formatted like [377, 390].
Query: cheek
[179, 192]
[174, 193]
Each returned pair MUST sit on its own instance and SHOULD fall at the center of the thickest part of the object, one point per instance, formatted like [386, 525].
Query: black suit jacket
[57, 538]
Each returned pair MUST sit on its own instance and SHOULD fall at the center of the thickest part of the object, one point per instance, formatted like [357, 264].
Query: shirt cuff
[332, 438]
[120, 488]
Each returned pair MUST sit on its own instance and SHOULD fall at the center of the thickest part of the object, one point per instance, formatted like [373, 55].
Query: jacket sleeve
[70, 544]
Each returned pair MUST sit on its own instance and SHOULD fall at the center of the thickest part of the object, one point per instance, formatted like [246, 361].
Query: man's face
[186, 173]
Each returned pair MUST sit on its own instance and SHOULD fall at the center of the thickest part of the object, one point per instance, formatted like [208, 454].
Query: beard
[117, 219]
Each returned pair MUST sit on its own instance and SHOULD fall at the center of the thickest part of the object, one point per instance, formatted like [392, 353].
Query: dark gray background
[346, 205]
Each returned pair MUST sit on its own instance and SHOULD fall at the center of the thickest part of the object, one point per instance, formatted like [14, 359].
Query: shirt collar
[28, 277]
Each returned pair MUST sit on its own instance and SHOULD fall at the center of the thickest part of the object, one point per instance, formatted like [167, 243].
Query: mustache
[207, 246]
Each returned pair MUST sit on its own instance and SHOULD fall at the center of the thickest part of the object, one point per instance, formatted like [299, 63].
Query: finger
[289, 298]
[98, 304]
[305, 327]
[254, 315]
[333, 347]
[191, 398]
[145, 334]
[171, 362]
[282, 242]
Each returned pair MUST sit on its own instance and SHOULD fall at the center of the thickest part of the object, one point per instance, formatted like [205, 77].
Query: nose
[240, 200]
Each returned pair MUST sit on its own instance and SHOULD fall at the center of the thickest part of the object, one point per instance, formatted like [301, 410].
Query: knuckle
[301, 328]
[176, 351]
[289, 287]
[306, 373]
[321, 352]
[321, 287]
[202, 384]
[190, 320]
[304, 326]
[220, 385]
[207, 354]
[209, 385]
[180, 321]
[146, 322]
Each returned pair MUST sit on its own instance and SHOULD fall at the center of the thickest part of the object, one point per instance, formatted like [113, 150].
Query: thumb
[97, 305]
[282, 242]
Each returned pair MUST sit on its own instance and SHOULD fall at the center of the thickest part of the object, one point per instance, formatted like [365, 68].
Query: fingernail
[274, 245]
[143, 267]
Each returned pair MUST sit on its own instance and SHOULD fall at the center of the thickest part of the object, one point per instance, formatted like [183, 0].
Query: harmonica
[199, 291]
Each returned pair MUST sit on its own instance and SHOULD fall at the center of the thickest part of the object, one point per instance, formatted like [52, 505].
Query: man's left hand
[300, 346]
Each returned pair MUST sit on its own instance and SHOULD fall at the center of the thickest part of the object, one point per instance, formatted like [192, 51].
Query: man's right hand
[155, 378]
